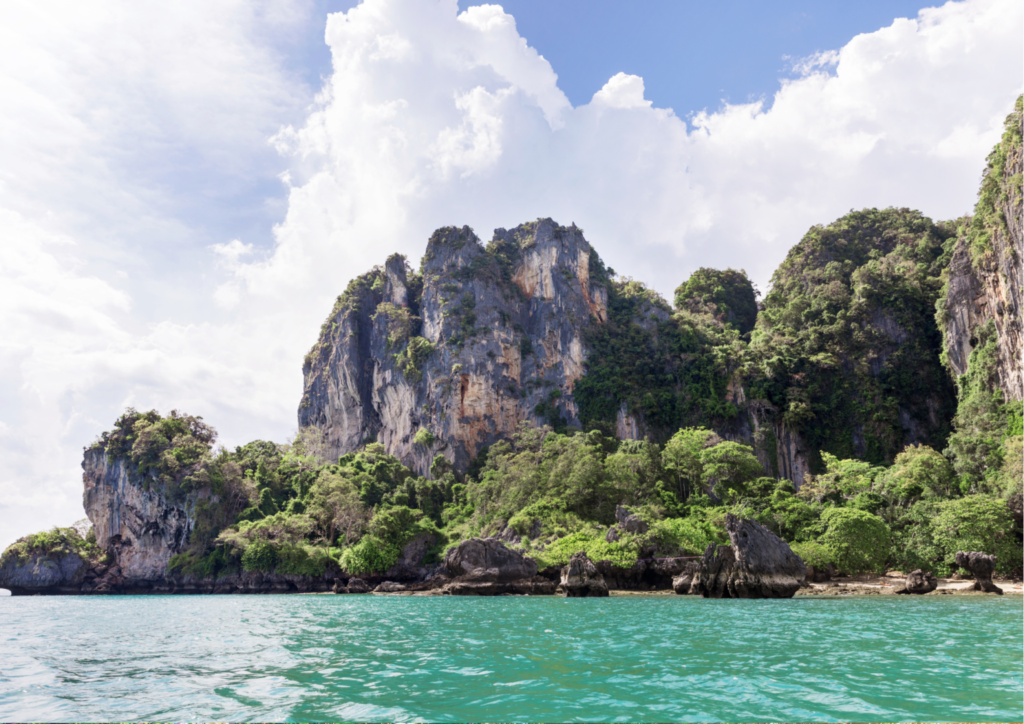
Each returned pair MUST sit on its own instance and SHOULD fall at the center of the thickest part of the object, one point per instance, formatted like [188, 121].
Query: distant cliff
[454, 357]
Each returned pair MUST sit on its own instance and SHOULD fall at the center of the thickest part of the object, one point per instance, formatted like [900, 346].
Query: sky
[186, 187]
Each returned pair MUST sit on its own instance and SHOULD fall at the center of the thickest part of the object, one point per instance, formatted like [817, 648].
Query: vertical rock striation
[479, 341]
[985, 273]
[132, 516]
[756, 564]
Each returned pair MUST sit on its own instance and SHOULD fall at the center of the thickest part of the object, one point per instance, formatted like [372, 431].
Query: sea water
[401, 658]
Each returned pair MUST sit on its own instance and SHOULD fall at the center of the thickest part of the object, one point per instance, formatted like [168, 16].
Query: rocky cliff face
[985, 277]
[132, 518]
[455, 358]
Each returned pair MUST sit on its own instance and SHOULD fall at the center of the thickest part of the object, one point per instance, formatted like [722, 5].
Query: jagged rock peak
[454, 357]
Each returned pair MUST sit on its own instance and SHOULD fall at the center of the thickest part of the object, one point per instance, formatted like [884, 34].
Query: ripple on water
[368, 658]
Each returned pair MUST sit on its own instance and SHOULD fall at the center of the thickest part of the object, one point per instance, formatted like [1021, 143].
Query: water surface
[396, 658]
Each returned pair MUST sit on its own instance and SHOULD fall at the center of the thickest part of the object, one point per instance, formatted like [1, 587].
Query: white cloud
[118, 122]
[622, 91]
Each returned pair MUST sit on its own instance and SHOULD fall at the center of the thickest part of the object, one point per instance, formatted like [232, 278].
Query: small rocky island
[511, 417]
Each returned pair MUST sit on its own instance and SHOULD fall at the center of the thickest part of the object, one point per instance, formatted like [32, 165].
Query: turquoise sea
[398, 658]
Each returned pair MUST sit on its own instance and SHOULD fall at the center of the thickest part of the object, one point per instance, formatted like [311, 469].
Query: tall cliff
[455, 357]
[133, 517]
[984, 283]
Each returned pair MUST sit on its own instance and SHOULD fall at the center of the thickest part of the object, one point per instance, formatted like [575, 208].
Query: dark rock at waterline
[683, 583]
[981, 566]
[389, 587]
[581, 579]
[919, 582]
[42, 572]
[358, 585]
[489, 554]
[756, 564]
[487, 582]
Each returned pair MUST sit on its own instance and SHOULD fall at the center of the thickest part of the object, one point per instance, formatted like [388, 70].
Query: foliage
[846, 344]
[726, 295]
[55, 542]
[423, 437]
[857, 540]
[668, 370]
[978, 523]
[813, 554]
[170, 450]
[410, 360]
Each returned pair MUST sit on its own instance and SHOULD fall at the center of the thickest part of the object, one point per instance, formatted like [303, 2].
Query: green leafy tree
[857, 540]
[977, 523]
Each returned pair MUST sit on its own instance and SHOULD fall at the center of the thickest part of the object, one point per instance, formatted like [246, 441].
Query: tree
[336, 508]
[682, 459]
[917, 471]
[977, 523]
[727, 295]
[728, 467]
[857, 540]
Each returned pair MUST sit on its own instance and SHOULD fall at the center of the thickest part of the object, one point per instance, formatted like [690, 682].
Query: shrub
[813, 554]
[977, 523]
[690, 535]
[857, 540]
[260, 555]
[423, 437]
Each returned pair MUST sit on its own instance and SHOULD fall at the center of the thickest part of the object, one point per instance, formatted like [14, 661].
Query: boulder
[919, 582]
[628, 521]
[489, 554]
[389, 587]
[756, 564]
[338, 587]
[581, 579]
[358, 585]
[683, 583]
[409, 567]
[981, 566]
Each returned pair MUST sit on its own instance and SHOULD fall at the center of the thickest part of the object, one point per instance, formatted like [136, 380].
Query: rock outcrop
[756, 564]
[581, 579]
[985, 276]
[486, 567]
[683, 583]
[488, 554]
[52, 573]
[981, 566]
[919, 582]
[133, 517]
[483, 340]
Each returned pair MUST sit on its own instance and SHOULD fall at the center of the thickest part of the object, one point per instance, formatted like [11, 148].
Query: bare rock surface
[581, 579]
[919, 582]
[38, 572]
[756, 564]
[358, 585]
[488, 554]
[389, 587]
[683, 583]
[981, 566]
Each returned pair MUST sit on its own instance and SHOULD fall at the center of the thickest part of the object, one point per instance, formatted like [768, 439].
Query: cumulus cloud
[430, 117]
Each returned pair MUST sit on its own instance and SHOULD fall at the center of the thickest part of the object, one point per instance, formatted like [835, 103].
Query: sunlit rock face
[475, 343]
[133, 517]
[985, 282]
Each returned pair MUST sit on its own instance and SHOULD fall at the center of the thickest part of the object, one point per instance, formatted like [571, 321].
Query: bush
[370, 555]
[260, 555]
[689, 535]
[623, 552]
[857, 540]
[423, 437]
[977, 523]
[813, 554]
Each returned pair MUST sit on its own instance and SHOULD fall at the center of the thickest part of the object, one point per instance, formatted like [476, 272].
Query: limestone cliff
[985, 278]
[132, 516]
[448, 360]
